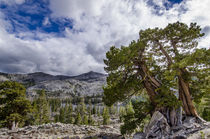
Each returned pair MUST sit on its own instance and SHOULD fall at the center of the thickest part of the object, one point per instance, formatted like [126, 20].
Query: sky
[71, 37]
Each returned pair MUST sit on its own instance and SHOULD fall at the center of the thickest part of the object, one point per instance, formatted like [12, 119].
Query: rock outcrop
[63, 131]
[158, 128]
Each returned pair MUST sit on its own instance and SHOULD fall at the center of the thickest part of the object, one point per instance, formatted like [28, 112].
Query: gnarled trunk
[185, 97]
[173, 116]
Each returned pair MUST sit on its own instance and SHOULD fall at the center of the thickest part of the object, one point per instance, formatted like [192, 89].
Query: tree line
[17, 111]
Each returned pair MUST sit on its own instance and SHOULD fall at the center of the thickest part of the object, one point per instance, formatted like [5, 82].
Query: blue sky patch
[34, 15]
[167, 5]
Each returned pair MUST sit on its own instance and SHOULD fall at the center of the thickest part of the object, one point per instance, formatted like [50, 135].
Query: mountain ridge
[86, 84]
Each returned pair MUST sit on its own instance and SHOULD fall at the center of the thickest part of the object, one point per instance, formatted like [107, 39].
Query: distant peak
[89, 75]
[39, 73]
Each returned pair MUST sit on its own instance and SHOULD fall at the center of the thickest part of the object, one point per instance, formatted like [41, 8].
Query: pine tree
[56, 118]
[82, 107]
[78, 119]
[62, 115]
[106, 117]
[122, 113]
[135, 116]
[90, 106]
[85, 120]
[206, 110]
[112, 110]
[69, 114]
[14, 106]
[98, 111]
[94, 110]
[90, 119]
[42, 107]
[129, 108]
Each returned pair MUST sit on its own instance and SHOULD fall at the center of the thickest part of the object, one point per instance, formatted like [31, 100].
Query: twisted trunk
[184, 91]
[152, 85]
[185, 97]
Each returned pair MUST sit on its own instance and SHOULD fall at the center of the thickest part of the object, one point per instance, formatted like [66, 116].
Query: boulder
[139, 136]
[190, 128]
[157, 127]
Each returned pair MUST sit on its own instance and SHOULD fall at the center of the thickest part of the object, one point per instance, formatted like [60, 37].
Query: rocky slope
[62, 131]
[86, 84]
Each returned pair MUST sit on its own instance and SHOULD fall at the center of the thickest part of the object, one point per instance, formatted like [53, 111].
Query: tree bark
[185, 97]
[152, 85]
[184, 91]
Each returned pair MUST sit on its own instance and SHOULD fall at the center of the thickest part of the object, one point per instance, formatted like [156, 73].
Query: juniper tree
[14, 106]
[162, 62]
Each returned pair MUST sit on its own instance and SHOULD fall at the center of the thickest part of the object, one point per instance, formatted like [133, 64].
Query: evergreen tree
[129, 108]
[160, 61]
[42, 107]
[85, 120]
[69, 114]
[90, 106]
[206, 111]
[106, 117]
[62, 115]
[78, 119]
[82, 107]
[14, 106]
[135, 116]
[56, 118]
[122, 113]
[112, 110]
[98, 111]
[94, 110]
[90, 119]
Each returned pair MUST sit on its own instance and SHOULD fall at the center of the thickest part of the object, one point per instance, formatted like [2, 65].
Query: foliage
[164, 62]
[78, 119]
[85, 120]
[42, 108]
[82, 107]
[179, 42]
[136, 116]
[122, 113]
[62, 115]
[69, 114]
[206, 111]
[90, 119]
[14, 106]
[168, 100]
[106, 116]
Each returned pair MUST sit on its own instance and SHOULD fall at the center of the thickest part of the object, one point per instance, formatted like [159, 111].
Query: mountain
[86, 84]
[89, 76]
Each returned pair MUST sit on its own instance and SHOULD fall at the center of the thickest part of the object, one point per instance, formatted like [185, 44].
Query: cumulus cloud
[97, 25]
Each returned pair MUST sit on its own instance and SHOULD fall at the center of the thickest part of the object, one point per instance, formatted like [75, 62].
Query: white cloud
[96, 26]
